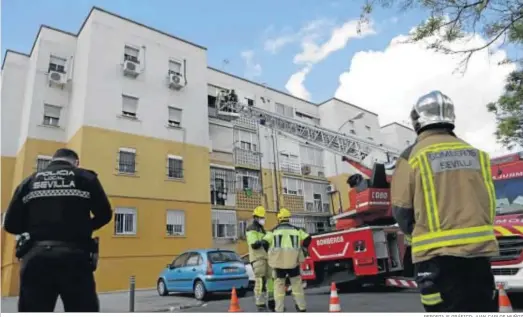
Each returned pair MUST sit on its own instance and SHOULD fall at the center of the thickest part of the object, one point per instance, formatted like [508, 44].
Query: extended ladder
[352, 147]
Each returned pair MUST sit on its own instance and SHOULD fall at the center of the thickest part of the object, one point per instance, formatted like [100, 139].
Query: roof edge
[7, 51]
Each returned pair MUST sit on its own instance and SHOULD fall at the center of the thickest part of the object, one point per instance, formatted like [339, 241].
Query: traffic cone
[235, 305]
[334, 303]
[504, 301]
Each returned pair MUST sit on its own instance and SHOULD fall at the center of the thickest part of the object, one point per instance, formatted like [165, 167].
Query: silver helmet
[432, 108]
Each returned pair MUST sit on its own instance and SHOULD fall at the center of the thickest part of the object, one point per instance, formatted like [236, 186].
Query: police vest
[454, 199]
[254, 233]
[285, 243]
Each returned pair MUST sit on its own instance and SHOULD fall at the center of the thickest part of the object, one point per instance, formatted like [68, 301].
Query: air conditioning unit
[57, 78]
[131, 68]
[331, 189]
[305, 169]
[176, 81]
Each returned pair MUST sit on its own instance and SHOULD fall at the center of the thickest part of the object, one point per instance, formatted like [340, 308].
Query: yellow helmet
[259, 212]
[283, 214]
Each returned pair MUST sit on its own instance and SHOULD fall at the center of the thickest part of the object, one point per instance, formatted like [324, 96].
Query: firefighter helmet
[431, 109]
[259, 212]
[283, 214]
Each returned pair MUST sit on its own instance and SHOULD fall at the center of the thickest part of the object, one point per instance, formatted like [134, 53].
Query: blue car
[203, 272]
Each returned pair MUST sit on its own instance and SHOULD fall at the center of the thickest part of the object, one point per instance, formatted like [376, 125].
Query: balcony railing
[247, 158]
[246, 123]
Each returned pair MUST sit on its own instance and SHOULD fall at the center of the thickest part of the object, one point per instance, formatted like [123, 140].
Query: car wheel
[162, 288]
[199, 290]
[241, 292]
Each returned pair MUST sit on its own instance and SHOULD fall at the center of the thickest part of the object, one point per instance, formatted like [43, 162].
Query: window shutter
[52, 111]
[129, 104]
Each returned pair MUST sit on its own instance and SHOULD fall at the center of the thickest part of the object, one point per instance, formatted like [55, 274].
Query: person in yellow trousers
[258, 257]
[285, 253]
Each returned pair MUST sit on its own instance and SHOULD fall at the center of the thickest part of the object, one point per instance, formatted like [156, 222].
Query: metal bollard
[132, 285]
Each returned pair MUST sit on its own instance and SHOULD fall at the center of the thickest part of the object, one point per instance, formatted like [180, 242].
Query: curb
[179, 307]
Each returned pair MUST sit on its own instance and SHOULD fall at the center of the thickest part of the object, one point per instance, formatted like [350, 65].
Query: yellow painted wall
[340, 183]
[147, 253]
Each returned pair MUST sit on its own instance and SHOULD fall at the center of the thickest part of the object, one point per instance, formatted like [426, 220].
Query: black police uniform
[54, 206]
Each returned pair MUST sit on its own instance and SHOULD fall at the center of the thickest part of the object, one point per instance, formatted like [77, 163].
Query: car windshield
[509, 196]
[223, 257]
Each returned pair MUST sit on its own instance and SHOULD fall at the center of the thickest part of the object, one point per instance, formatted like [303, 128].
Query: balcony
[317, 206]
[246, 158]
[293, 202]
[312, 170]
[246, 123]
[246, 199]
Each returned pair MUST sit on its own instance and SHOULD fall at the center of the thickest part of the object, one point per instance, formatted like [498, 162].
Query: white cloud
[388, 82]
[313, 53]
[312, 30]
[252, 69]
[295, 83]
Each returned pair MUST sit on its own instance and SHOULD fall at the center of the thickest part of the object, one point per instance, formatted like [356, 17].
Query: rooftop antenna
[225, 62]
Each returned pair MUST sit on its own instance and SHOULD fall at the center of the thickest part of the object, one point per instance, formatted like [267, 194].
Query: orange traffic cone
[334, 303]
[504, 301]
[235, 305]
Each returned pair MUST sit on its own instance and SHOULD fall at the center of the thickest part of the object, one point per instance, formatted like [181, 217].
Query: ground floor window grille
[175, 223]
[224, 224]
[125, 221]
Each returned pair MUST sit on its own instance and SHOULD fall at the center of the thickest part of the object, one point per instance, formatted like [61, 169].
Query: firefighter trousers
[280, 276]
[455, 284]
[49, 272]
[263, 279]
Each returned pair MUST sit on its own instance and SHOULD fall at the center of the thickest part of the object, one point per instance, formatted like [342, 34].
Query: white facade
[398, 136]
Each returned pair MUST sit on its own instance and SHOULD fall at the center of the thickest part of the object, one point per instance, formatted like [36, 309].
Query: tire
[162, 288]
[199, 290]
[241, 292]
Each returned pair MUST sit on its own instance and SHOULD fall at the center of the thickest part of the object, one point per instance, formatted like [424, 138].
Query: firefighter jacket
[442, 195]
[56, 204]
[257, 246]
[285, 245]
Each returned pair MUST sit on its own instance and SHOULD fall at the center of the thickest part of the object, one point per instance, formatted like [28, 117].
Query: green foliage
[509, 111]
[499, 21]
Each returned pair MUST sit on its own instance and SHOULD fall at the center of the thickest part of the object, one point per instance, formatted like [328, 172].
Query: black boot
[299, 310]
[261, 308]
[272, 306]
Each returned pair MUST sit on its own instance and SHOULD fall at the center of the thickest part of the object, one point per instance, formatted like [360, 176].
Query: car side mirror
[169, 266]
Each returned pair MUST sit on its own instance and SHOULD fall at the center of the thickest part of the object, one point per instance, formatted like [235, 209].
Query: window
[174, 166]
[125, 221]
[289, 162]
[292, 186]
[246, 179]
[57, 64]
[242, 229]
[246, 140]
[311, 156]
[175, 67]
[131, 54]
[353, 131]
[194, 260]
[175, 117]
[367, 127]
[284, 110]
[51, 115]
[223, 256]
[129, 106]
[224, 224]
[222, 183]
[249, 101]
[316, 197]
[127, 161]
[181, 260]
[175, 223]
[42, 161]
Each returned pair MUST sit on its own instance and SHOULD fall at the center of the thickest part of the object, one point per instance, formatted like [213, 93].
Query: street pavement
[145, 301]
[366, 300]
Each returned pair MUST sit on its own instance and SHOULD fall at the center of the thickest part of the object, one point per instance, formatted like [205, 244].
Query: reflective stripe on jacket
[449, 186]
[285, 242]
[254, 233]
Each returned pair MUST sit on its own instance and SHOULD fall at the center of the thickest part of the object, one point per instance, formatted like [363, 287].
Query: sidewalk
[118, 302]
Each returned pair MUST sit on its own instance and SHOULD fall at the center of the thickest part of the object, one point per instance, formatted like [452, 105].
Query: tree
[509, 112]
[498, 21]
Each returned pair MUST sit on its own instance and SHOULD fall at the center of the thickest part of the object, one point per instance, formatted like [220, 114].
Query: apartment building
[139, 107]
[398, 135]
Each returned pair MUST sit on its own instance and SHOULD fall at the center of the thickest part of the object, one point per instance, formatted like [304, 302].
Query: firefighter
[443, 196]
[285, 250]
[51, 212]
[258, 257]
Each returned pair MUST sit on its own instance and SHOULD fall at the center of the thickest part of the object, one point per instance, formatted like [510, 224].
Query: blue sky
[226, 28]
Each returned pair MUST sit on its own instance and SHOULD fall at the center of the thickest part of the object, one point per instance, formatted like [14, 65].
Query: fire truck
[367, 244]
[507, 172]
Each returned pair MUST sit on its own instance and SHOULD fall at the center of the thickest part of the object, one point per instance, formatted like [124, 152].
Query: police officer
[443, 195]
[285, 251]
[258, 257]
[53, 207]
